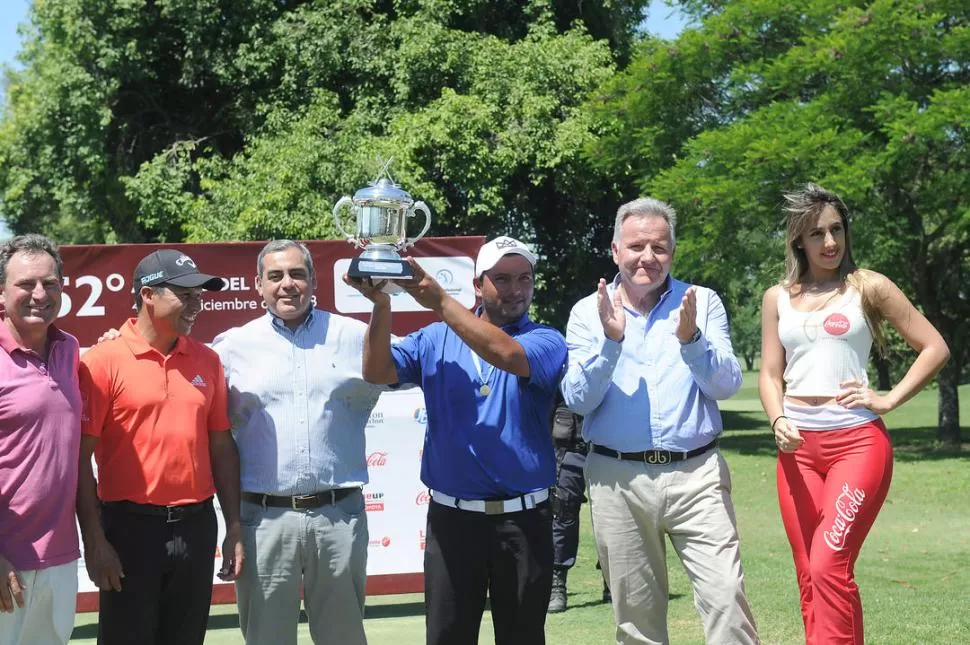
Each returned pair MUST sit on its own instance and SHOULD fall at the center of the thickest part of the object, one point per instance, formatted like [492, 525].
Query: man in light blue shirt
[298, 406]
[649, 357]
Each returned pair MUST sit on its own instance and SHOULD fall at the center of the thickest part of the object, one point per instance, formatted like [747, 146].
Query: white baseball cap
[492, 252]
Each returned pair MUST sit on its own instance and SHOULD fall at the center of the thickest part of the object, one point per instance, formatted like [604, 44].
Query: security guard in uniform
[567, 497]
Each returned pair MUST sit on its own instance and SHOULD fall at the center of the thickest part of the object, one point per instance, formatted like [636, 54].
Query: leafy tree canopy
[870, 99]
[246, 119]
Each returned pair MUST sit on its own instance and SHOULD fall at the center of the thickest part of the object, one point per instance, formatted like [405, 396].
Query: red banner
[98, 295]
[98, 292]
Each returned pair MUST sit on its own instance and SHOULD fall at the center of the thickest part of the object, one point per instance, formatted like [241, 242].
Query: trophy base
[379, 269]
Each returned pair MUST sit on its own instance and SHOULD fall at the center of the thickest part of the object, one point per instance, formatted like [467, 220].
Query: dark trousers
[570, 495]
[507, 556]
[167, 588]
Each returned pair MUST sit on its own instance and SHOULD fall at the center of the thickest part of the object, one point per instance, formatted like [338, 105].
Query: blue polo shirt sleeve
[545, 349]
[407, 355]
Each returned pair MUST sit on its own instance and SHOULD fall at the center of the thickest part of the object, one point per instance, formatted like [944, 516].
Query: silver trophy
[382, 211]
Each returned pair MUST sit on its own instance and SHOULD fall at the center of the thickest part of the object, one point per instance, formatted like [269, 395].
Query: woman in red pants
[835, 458]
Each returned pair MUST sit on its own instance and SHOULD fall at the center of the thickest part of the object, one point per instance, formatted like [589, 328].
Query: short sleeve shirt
[152, 414]
[490, 442]
[40, 432]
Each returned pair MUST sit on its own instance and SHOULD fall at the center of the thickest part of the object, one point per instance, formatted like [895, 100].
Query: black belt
[652, 457]
[170, 513]
[297, 502]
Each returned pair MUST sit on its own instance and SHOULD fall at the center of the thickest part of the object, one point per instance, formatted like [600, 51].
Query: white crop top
[824, 348]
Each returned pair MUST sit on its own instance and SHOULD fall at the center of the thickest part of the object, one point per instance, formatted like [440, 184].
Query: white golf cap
[492, 252]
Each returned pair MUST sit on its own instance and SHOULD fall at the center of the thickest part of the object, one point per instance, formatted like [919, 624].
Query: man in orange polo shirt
[155, 419]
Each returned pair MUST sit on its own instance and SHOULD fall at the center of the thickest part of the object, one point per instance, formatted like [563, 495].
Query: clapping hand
[611, 311]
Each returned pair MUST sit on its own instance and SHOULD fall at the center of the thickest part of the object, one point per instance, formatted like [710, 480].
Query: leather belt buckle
[657, 457]
[173, 514]
[494, 507]
[300, 502]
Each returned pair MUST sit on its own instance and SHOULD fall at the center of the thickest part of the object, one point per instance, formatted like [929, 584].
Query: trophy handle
[341, 203]
[419, 207]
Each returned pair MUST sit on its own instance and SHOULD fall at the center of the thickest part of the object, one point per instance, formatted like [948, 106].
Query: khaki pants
[47, 617]
[635, 505]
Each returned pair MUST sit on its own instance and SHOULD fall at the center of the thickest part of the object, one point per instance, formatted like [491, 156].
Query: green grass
[914, 571]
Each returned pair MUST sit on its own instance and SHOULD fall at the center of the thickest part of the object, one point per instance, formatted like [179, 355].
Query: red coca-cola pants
[830, 491]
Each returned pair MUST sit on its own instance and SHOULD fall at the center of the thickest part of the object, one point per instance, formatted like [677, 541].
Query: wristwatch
[694, 338]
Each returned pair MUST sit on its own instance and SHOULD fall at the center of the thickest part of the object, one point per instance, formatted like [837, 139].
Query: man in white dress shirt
[298, 406]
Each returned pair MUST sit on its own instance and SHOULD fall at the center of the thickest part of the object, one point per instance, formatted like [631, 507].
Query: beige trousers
[47, 617]
[634, 506]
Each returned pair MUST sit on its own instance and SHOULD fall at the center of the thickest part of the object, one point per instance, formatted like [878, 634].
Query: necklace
[484, 388]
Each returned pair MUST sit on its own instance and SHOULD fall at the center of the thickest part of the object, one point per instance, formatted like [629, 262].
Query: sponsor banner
[98, 290]
[454, 274]
[393, 519]
[98, 295]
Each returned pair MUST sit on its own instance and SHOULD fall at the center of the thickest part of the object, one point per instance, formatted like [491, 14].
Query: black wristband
[780, 416]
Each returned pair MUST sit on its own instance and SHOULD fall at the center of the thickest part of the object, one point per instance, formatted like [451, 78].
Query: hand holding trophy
[382, 211]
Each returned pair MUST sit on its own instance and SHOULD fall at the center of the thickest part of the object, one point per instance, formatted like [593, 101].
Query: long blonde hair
[804, 206]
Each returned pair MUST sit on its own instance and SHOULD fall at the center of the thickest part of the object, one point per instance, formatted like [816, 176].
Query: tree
[869, 99]
[224, 119]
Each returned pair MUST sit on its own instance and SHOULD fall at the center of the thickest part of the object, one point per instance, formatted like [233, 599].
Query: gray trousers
[323, 549]
[635, 507]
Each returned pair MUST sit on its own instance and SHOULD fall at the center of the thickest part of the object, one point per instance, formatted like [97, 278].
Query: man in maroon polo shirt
[40, 431]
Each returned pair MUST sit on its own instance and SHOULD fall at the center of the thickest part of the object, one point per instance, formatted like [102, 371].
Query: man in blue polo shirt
[489, 381]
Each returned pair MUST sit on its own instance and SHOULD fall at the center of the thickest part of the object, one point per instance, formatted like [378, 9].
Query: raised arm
[711, 358]
[492, 344]
[377, 366]
[594, 336]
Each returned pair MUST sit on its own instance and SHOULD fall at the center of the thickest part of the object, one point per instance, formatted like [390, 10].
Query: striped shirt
[298, 403]
[650, 392]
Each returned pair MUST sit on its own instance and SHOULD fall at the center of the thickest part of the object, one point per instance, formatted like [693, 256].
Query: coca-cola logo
[847, 506]
[423, 498]
[836, 324]
[376, 459]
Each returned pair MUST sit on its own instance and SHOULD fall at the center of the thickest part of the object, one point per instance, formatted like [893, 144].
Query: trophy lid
[383, 190]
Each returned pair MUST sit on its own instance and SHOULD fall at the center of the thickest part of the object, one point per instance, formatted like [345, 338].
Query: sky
[662, 21]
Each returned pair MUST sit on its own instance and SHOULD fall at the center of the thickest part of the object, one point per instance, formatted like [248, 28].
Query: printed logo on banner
[422, 541]
[383, 542]
[376, 418]
[421, 415]
[459, 285]
[423, 498]
[376, 459]
[373, 502]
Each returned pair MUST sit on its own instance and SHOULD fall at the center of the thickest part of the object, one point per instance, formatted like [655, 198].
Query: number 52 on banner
[92, 305]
